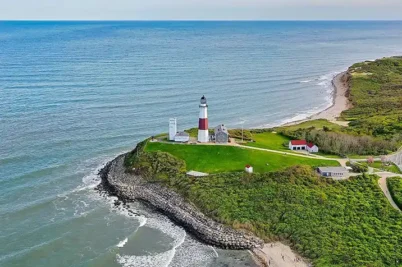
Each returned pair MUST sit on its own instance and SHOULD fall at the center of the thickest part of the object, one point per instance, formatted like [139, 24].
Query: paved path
[382, 182]
[286, 153]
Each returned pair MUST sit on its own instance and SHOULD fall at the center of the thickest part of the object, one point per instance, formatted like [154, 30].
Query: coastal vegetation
[333, 223]
[215, 159]
[343, 144]
[389, 167]
[395, 188]
[312, 124]
[376, 98]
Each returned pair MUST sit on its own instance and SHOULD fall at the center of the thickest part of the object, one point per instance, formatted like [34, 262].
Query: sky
[200, 9]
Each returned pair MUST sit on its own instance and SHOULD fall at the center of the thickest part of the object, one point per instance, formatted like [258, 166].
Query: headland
[128, 186]
[287, 203]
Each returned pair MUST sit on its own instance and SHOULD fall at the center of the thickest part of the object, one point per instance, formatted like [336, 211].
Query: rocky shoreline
[130, 187]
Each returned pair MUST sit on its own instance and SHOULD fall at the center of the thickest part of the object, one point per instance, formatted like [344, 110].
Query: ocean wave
[325, 81]
[122, 243]
[156, 260]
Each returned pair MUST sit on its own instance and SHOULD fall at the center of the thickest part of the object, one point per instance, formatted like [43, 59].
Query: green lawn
[275, 141]
[269, 140]
[391, 168]
[214, 159]
[318, 124]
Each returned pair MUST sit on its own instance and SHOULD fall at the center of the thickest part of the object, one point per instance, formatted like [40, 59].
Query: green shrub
[395, 188]
[359, 167]
[333, 223]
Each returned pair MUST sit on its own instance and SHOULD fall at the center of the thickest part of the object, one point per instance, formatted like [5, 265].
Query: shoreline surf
[340, 102]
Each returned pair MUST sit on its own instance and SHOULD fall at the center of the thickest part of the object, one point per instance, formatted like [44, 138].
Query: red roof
[310, 145]
[298, 142]
[248, 166]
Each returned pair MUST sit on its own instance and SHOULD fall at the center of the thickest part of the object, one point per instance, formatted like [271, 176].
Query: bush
[333, 223]
[359, 167]
[376, 93]
[341, 143]
[395, 188]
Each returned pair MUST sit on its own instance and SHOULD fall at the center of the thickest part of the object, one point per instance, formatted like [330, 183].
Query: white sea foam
[122, 243]
[306, 81]
[155, 260]
[164, 225]
[214, 250]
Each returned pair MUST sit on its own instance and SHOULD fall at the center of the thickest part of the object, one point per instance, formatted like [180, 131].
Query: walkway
[341, 161]
[382, 182]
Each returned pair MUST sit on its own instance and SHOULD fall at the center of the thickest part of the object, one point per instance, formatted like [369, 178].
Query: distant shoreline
[340, 102]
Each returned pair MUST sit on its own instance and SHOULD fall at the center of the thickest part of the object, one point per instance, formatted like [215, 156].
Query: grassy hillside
[395, 188]
[214, 159]
[376, 95]
[316, 124]
[333, 223]
[269, 140]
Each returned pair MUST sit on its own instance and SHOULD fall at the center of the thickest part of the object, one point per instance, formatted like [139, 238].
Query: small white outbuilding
[312, 148]
[248, 169]
[182, 137]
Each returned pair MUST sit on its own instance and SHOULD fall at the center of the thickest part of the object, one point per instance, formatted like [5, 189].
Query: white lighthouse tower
[203, 135]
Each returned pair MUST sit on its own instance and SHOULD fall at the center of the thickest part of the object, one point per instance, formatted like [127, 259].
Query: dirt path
[382, 182]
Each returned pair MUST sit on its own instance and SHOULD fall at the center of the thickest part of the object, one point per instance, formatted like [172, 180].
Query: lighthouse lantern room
[203, 135]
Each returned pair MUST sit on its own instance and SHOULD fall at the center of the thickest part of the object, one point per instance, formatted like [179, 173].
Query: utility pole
[242, 129]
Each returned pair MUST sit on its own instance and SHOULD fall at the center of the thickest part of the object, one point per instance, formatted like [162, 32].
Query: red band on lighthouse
[203, 124]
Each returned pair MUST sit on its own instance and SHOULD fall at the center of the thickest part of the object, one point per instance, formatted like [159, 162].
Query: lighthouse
[203, 136]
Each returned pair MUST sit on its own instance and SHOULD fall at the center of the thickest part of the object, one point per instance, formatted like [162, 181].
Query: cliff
[130, 187]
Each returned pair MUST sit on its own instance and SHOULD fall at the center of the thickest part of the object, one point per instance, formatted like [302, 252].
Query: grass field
[391, 168]
[214, 159]
[318, 124]
[275, 141]
[269, 140]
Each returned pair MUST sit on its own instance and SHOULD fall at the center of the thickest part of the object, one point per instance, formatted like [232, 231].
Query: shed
[182, 137]
[221, 134]
[312, 148]
[248, 169]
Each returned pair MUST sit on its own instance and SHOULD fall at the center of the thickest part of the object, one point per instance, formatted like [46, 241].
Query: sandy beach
[279, 255]
[340, 102]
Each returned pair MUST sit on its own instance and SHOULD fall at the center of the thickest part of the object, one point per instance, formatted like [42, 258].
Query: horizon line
[200, 20]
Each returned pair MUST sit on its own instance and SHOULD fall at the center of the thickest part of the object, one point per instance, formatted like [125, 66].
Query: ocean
[74, 95]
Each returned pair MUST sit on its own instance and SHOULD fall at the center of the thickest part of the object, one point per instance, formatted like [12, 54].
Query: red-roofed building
[303, 145]
[297, 145]
[312, 148]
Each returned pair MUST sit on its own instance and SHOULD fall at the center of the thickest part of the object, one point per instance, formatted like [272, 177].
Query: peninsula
[250, 188]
